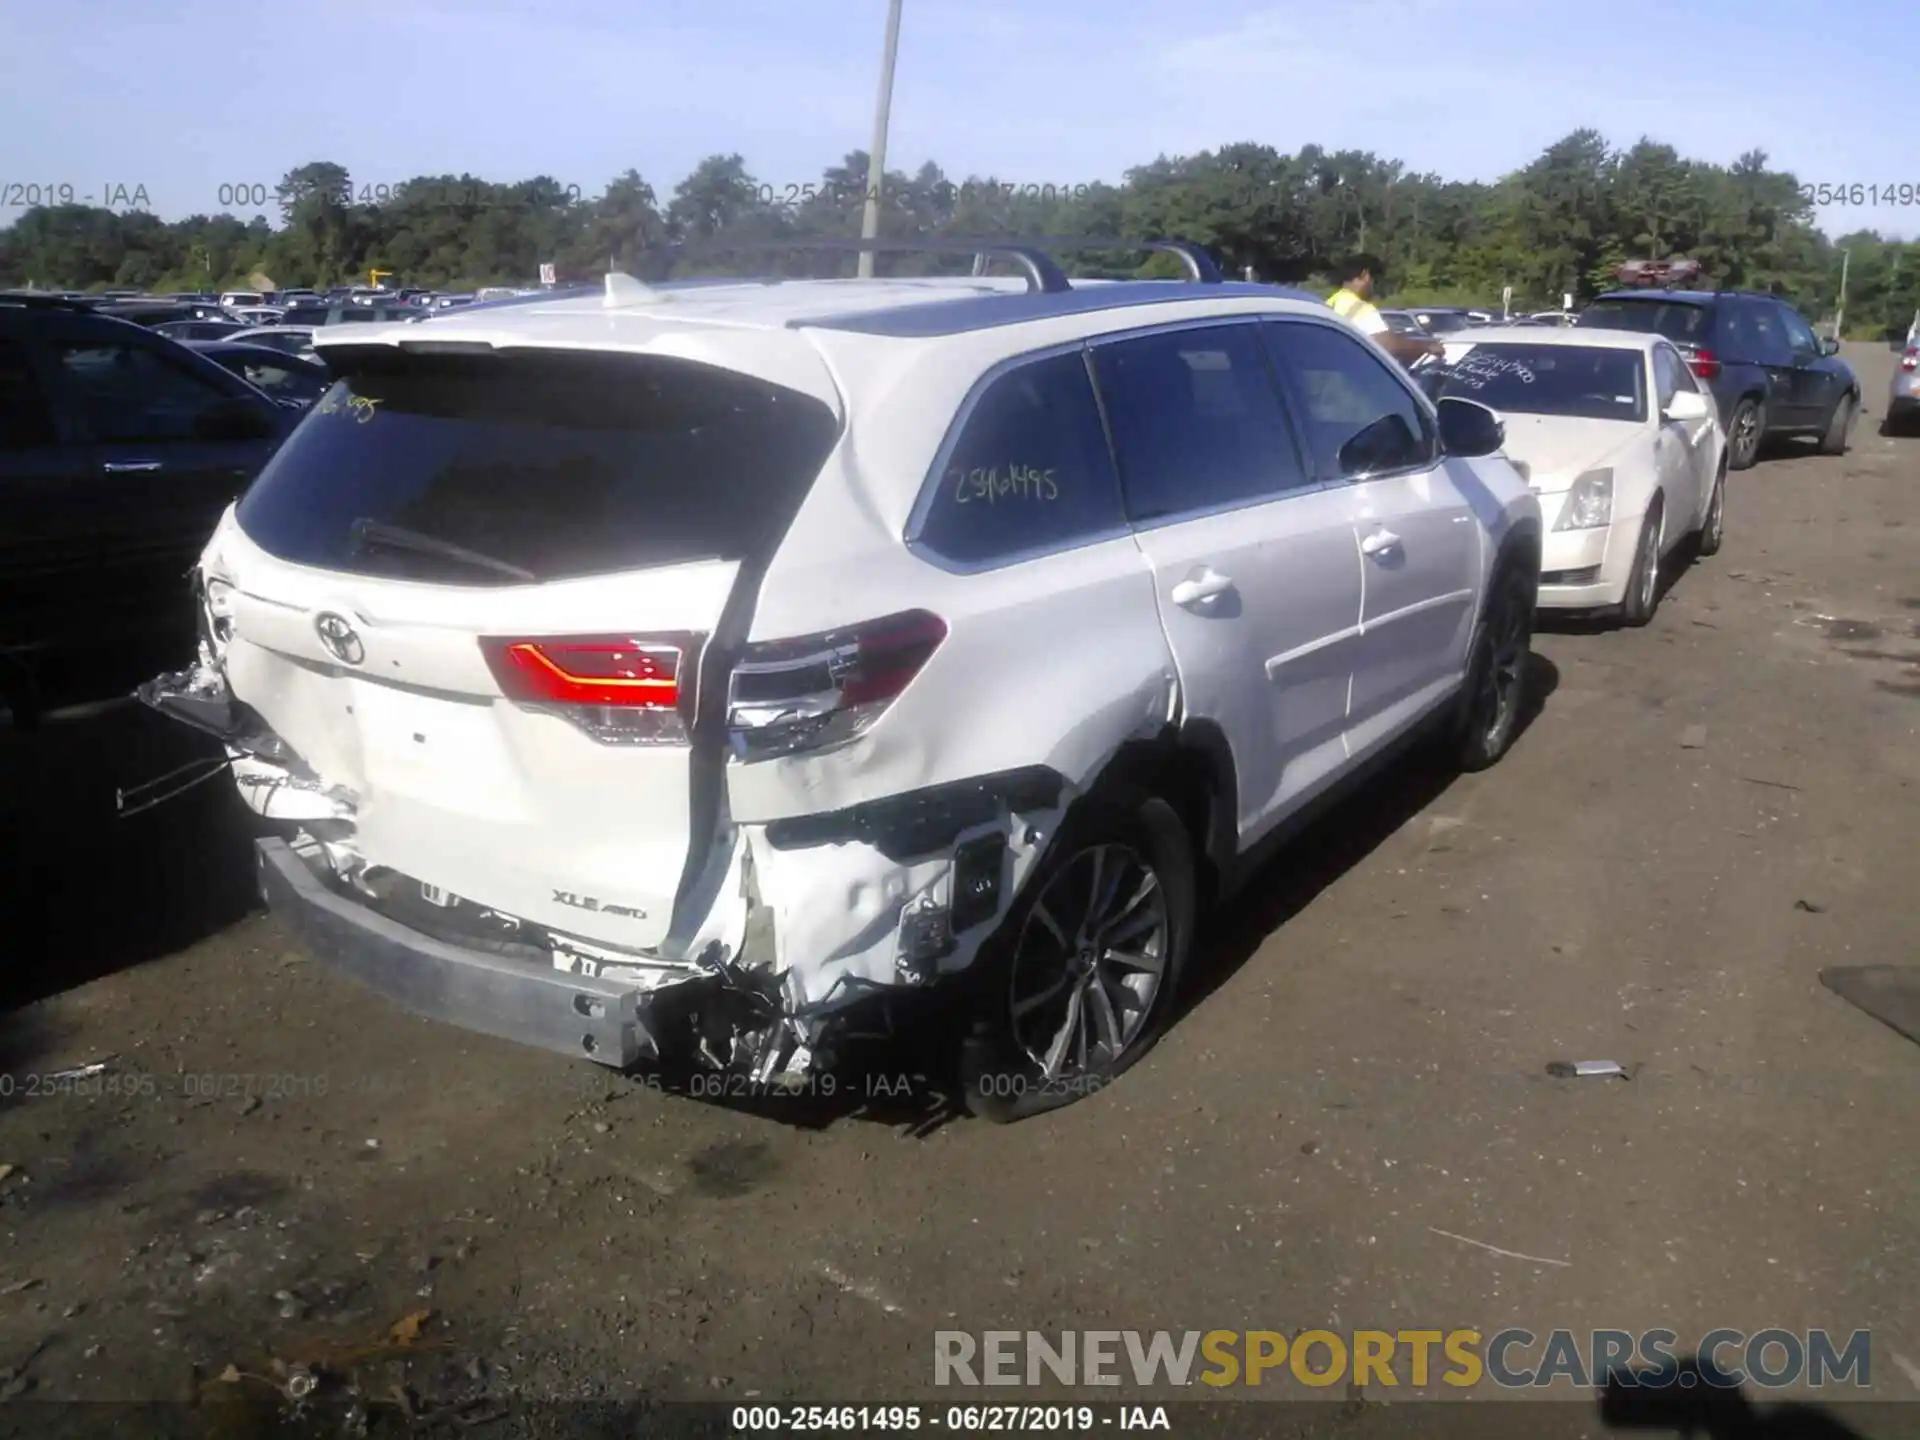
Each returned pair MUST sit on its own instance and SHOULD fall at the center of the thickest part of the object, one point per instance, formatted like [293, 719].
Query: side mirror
[1469, 429]
[1688, 405]
[1387, 444]
[235, 419]
[1830, 346]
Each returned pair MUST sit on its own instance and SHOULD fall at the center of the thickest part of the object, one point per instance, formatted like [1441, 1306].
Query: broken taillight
[634, 689]
[820, 690]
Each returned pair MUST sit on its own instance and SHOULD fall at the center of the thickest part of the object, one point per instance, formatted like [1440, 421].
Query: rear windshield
[548, 466]
[1587, 382]
[1675, 319]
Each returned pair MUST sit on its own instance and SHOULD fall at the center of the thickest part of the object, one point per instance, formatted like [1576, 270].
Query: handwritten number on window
[992, 484]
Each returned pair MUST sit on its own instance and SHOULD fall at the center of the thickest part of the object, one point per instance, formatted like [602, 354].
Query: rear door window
[1029, 472]
[1770, 345]
[1197, 420]
[554, 466]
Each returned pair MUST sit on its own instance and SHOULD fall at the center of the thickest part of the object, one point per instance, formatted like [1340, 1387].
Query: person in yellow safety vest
[1353, 302]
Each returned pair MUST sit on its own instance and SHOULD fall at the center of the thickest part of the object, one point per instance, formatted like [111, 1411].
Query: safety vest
[1345, 303]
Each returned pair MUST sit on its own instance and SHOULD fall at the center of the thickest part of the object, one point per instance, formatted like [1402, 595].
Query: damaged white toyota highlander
[704, 673]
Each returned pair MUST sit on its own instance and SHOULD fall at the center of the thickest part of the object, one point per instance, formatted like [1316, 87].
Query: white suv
[689, 672]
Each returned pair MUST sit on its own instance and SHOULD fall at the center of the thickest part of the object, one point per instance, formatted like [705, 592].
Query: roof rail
[1043, 275]
[1201, 268]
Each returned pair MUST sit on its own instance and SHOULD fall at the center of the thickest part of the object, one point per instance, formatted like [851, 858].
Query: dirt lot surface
[275, 1165]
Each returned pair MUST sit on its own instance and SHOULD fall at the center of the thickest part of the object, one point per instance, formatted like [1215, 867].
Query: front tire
[1713, 530]
[1839, 433]
[1745, 429]
[1080, 981]
[1643, 584]
[1497, 674]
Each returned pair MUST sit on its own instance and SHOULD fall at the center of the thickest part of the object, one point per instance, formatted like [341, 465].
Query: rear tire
[1085, 969]
[1643, 584]
[1497, 676]
[1839, 433]
[1746, 427]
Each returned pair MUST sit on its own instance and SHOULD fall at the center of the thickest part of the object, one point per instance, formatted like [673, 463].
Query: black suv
[119, 450]
[1770, 374]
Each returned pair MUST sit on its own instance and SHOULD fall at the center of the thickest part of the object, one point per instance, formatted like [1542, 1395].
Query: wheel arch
[1191, 767]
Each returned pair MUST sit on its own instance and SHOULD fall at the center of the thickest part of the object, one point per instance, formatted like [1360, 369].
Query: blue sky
[182, 96]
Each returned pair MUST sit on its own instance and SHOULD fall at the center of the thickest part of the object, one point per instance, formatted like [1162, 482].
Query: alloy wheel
[1089, 962]
[1648, 578]
[1499, 700]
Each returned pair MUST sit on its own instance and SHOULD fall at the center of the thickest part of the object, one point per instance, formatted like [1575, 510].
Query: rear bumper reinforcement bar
[576, 1015]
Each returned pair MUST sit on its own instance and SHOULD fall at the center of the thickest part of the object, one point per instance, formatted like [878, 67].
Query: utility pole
[877, 156]
[1840, 310]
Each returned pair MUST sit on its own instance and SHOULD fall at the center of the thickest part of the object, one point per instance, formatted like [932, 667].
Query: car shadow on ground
[916, 1100]
[1331, 846]
[86, 890]
[1698, 1400]
[1675, 568]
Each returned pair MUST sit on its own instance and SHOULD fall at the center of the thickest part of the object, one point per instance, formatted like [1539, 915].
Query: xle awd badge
[339, 637]
[587, 902]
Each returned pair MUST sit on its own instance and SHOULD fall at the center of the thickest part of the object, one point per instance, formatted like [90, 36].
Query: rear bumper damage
[496, 995]
[798, 937]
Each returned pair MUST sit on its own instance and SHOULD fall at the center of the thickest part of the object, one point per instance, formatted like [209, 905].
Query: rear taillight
[822, 690]
[632, 689]
[1910, 360]
[1704, 364]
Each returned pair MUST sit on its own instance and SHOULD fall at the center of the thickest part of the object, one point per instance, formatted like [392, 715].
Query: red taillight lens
[616, 687]
[1704, 364]
[589, 672]
[1910, 360]
[820, 690]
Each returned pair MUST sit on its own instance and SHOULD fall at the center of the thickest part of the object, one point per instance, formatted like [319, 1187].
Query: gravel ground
[276, 1168]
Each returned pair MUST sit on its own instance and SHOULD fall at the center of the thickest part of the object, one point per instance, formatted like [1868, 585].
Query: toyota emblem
[340, 638]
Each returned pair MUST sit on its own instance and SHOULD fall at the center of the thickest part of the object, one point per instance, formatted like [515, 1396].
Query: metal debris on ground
[1584, 1069]
[82, 1072]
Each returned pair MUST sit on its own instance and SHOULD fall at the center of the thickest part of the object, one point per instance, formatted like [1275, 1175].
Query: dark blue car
[1770, 374]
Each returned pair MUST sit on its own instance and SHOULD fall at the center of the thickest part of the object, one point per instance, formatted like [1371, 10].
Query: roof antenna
[623, 289]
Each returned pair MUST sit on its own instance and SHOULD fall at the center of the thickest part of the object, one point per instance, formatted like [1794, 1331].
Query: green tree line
[1563, 223]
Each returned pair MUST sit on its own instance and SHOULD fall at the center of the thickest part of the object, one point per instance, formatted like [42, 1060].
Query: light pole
[877, 156]
[1840, 310]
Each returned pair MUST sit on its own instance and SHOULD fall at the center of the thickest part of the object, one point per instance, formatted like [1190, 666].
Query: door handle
[1201, 587]
[1381, 542]
[130, 467]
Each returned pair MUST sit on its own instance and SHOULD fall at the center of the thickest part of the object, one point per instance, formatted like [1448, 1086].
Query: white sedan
[1624, 448]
